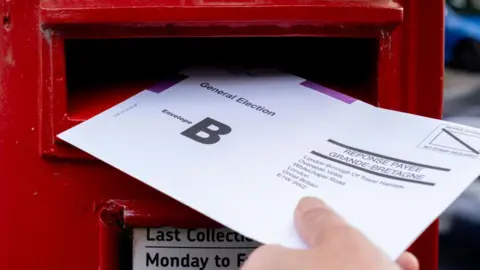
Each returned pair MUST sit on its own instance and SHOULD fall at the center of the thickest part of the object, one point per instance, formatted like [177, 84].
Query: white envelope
[243, 148]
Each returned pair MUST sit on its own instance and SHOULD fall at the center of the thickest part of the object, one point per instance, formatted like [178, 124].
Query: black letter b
[212, 137]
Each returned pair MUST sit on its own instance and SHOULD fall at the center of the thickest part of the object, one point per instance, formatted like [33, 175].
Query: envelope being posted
[244, 149]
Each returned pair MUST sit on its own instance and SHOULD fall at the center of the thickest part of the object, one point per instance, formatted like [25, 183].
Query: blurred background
[460, 224]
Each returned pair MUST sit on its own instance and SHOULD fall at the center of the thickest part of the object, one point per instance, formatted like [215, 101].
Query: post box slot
[103, 72]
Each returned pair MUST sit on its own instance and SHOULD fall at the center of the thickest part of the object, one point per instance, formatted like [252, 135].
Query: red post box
[63, 61]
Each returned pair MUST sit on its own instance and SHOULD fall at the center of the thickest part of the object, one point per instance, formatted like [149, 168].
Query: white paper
[387, 173]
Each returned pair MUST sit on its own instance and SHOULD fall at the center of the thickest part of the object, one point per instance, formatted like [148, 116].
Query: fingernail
[308, 203]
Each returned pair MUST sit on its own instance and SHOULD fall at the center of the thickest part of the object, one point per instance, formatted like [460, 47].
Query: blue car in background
[462, 34]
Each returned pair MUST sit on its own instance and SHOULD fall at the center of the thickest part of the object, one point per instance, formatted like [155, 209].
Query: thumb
[318, 224]
[408, 261]
[334, 239]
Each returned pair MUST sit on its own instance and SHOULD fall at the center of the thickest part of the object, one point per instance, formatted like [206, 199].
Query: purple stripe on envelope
[328, 92]
[167, 83]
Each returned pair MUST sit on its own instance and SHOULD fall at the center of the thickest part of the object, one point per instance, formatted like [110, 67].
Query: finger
[408, 261]
[317, 223]
[272, 257]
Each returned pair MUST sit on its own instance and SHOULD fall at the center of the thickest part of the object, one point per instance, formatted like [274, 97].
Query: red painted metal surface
[378, 12]
[57, 203]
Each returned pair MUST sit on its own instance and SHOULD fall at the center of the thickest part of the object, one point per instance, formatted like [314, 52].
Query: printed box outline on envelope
[452, 140]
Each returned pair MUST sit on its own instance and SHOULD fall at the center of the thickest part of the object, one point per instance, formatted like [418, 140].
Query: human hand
[333, 245]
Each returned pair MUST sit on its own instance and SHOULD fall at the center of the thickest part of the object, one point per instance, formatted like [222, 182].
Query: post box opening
[103, 72]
